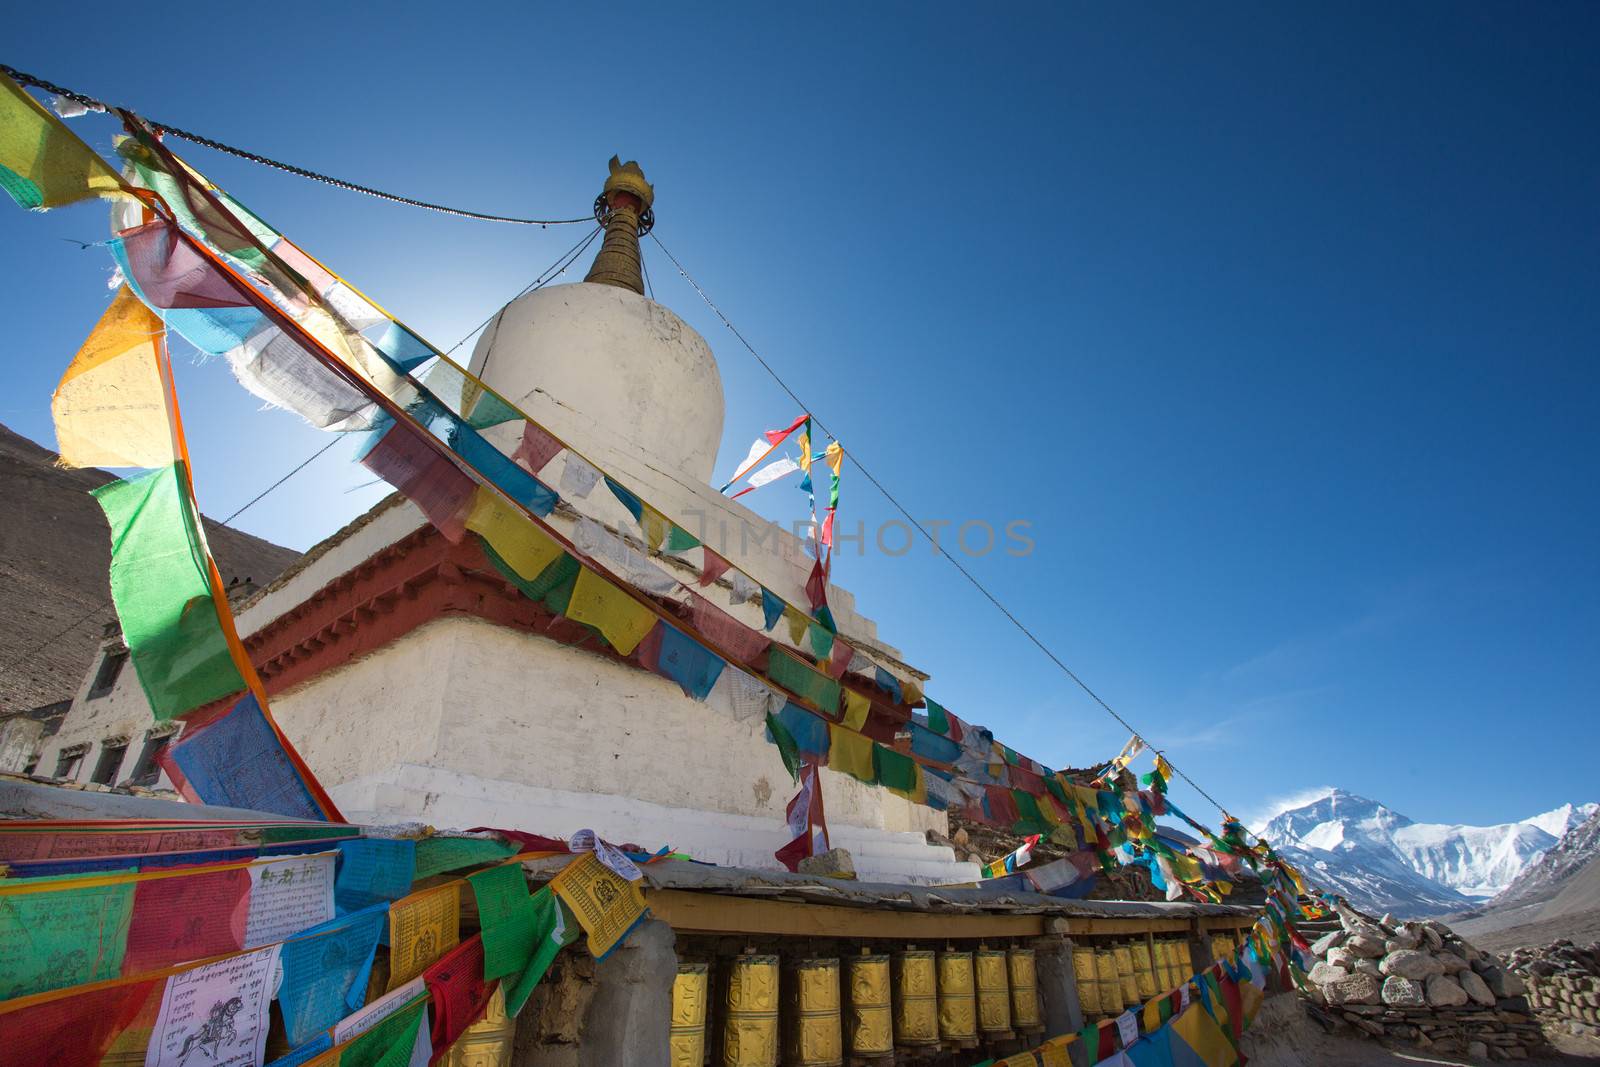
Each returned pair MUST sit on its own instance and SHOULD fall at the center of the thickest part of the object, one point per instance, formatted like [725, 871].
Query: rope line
[22, 78]
[968, 575]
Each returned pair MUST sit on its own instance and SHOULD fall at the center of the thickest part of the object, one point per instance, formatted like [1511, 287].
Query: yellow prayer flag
[422, 927]
[654, 525]
[798, 624]
[42, 163]
[605, 904]
[524, 547]
[850, 753]
[1201, 1033]
[834, 454]
[1152, 1015]
[911, 691]
[111, 406]
[620, 618]
[1053, 1053]
[856, 707]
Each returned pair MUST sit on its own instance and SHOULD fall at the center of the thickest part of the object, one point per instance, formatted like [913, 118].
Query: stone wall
[1563, 984]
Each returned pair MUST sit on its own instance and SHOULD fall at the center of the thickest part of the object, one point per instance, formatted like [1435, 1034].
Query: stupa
[419, 685]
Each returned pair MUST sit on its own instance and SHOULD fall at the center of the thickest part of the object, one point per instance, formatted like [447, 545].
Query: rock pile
[1563, 981]
[1418, 982]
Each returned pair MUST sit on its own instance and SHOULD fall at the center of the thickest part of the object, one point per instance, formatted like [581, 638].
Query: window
[105, 768]
[69, 760]
[106, 677]
[147, 772]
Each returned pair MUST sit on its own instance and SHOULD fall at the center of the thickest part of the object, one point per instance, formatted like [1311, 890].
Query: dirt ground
[1283, 1036]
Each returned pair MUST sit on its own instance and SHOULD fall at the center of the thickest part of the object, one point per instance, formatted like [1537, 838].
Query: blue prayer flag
[771, 608]
[325, 972]
[889, 684]
[634, 505]
[688, 663]
[373, 870]
[238, 761]
[810, 732]
[929, 745]
[402, 348]
[306, 1052]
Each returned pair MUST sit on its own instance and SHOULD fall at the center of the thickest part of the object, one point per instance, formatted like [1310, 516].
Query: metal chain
[91, 103]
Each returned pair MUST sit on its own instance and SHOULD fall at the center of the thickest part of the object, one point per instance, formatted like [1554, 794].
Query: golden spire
[624, 207]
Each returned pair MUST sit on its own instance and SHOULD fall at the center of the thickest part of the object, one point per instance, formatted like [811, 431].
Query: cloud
[1260, 816]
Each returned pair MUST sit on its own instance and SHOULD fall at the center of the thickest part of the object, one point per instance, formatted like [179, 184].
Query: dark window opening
[110, 666]
[68, 762]
[147, 772]
[105, 767]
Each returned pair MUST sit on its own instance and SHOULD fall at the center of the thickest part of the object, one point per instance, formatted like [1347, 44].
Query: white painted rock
[1357, 989]
[1445, 992]
[1476, 988]
[1404, 993]
[1409, 963]
[1341, 957]
[1323, 973]
[1365, 945]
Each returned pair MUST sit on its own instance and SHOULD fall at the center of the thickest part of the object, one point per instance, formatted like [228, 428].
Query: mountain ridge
[1382, 860]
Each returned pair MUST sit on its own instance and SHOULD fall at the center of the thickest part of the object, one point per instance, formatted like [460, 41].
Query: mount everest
[1384, 862]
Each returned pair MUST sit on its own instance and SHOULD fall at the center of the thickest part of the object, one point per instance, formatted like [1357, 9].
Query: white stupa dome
[598, 364]
[589, 359]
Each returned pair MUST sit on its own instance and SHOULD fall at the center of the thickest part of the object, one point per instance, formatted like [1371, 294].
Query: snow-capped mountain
[1578, 847]
[1382, 861]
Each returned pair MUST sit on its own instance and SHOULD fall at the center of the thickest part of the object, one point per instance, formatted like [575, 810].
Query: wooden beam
[1227, 922]
[1094, 924]
[718, 913]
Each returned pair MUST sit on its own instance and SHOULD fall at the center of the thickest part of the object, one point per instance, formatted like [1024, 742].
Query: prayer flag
[899, 772]
[621, 619]
[1013, 860]
[771, 608]
[606, 905]
[187, 917]
[422, 928]
[42, 163]
[850, 753]
[856, 708]
[221, 1010]
[763, 447]
[519, 543]
[374, 870]
[458, 991]
[810, 731]
[802, 679]
[325, 972]
[779, 735]
[440, 490]
[53, 938]
[1199, 1041]
[687, 662]
[437, 855]
[240, 761]
[808, 829]
[161, 585]
[726, 632]
[713, 568]
[537, 449]
[111, 406]
[391, 1042]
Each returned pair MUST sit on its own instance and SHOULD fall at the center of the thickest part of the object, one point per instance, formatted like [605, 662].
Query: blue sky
[1279, 328]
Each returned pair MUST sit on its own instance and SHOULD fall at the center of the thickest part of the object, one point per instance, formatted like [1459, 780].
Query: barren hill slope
[55, 549]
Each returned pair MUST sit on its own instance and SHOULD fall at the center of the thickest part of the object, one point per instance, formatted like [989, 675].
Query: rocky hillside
[55, 550]
[1577, 849]
[1383, 861]
[1557, 897]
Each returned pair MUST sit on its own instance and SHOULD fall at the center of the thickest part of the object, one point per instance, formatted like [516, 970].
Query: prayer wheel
[916, 999]
[994, 992]
[1185, 961]
[870, 1020]
[1144, 973]
[1130, 981]
[1088, 981]
[1105, 966]
[487, 1042]
[815, 1038]
[1222, 947]
[686, 1037]
[1024, 974]
[1169, 966]
[958, 999]
[750, 1029]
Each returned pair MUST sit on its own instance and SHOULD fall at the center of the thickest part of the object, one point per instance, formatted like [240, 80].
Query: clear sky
[1279, 327]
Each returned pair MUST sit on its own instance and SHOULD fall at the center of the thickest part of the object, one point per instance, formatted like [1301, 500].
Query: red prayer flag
[713, 568]
[525, 841]
[805, 820]
[438, 487]
[817, 586]
[1002, 806]
[739, 641]
[72, 1030]
[537, 448]
[186, 917]
[459, 993]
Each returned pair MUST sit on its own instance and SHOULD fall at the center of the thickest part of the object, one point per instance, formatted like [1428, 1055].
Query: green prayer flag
[680, 540]
[787, 748]
[507, 917]
[57, 938]
[556, 928]
[490, 410]
[389, 1043]
[553, 586]
[161, 585]
[821, 641]
[938, 721]
[895, 770]
[1029, 818]
[803, 680]
[436, 855]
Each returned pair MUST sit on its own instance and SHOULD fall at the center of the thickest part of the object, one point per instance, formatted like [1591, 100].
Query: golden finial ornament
[624, 208]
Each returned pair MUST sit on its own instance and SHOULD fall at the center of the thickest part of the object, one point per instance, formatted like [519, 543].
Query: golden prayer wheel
[1185, 961]
[958, 999]
[1105, 967]
[1088, 981]
[1130, 981]
[1024, 974]
[813, 1025]
[750, 1030]
[916, 999]
[1144, 974]
[869, 1021]
[487, 1042]
[686, 1038]
[994, 992]
[1169, 964]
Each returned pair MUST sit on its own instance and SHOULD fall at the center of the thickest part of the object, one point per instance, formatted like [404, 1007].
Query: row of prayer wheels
[1113, 977]
[817, 1012]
